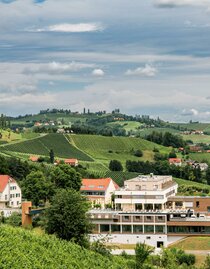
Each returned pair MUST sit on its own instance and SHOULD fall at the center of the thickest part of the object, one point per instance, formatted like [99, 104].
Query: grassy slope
[120, 148]
[180, 181]
[193, 243]
[127, 125]
[41, 146]
[200, 156]
[193, 126]
[24, 249]
[197, 138]
[147, 131]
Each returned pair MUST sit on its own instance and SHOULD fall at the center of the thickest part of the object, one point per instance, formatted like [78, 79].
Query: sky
[142, 56]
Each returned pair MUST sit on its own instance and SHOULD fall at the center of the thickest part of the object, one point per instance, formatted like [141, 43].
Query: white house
[10, 192]
[99, 191]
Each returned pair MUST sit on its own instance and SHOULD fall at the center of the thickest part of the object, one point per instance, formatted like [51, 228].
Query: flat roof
[149, 178]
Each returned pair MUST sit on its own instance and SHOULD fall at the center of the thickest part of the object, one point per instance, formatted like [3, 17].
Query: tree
[138, 153]
[142, 253]
[64, 176]
[172, 154]
[67, 216]
[208, 175]
[36, 187]
[52, 156]
[115, 165]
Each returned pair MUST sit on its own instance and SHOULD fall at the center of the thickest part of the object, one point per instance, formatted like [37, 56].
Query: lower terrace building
[147, 210]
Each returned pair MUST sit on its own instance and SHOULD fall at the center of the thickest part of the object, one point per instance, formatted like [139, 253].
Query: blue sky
[145, 57]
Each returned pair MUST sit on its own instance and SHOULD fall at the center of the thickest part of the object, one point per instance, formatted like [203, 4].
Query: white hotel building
[147, 210]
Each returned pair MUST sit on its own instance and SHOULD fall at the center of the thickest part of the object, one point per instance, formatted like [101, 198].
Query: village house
[34, 158]
[10, 192]
[99, 191]
[72, 162]
[175, 161]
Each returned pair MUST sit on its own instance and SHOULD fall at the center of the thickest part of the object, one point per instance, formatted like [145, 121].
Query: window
[138, 206]
[160, 244]
[208, 208]
[137, 228]
[5, 197]
[126, 228]
[126, 217]
[178, 203]
[160, 229]
[160, 218]
[197, 203]
[104, 228]
[149, 229]
[137, 218]
[101, 186]
[148, 218]
[148, 237]
[138, 187]
[115, 228]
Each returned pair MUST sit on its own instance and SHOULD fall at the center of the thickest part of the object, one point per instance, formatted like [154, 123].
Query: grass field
[127, 125]
[119, 148]
[9, 136]
[147, 131]
[194, 243]
[193, 126]
[197, 138]
[41, 146]
[200, 156]
[180, 182]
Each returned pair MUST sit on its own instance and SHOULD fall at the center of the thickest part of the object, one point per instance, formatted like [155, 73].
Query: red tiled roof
[71, 161]
[174, 160]
[4, 179]
[34, 158]
[100, 184]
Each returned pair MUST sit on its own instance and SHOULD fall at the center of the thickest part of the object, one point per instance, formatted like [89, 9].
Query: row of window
[13, 188]
[13, 195]
[114, 228]
[148, 218]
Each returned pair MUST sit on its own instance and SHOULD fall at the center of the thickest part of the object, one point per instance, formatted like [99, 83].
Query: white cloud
[98, 73]
[148, 71]
[190, 112]
[180, 3]
[70, 28]
[57, 67]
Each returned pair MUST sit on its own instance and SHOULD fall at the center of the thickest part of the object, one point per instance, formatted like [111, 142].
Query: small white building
[99, 191]
[10, 192]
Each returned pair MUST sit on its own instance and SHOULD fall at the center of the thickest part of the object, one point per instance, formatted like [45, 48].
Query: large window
[149, 229]
[115, 228]
[126, 228]
[137, 228]
[160, 229]
[104, 228]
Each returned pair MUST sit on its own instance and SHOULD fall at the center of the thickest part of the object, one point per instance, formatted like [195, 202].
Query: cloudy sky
[142, 56]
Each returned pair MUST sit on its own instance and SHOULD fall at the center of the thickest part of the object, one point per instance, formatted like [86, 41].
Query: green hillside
[147, 131]
[21, 249]
[120, 148]
[42, 145]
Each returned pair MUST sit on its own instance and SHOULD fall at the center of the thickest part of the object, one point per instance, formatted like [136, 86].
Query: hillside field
[42, 145]
[24, 249]
[120, 148]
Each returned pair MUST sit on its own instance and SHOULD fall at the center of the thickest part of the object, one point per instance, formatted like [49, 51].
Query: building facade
[147, 210]
[99, 191]
[10, 192]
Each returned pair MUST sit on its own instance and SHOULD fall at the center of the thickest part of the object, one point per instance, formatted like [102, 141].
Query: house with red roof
[10, 192]
[34, 158]
[99, 191]
[71, 162]
[175, 161]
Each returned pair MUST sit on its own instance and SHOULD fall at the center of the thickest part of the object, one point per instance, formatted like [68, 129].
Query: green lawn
[193, 243]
